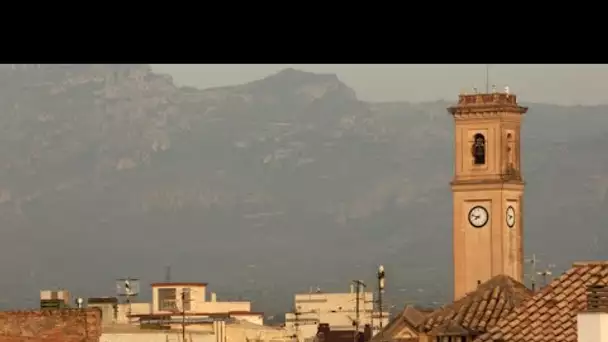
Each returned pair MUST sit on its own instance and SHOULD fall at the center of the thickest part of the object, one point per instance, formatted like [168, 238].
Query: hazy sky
[550, 83]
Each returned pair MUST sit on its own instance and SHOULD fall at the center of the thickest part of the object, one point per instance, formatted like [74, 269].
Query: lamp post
[79, 302]
[79, 305]
[380, 291]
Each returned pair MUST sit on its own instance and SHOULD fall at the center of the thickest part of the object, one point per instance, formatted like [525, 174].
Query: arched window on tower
[510, 151]
[479, 149]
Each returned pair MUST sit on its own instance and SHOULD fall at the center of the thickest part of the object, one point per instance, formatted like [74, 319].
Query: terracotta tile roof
[550, 315]
[478, 310]
[414, 316]
[410, 317]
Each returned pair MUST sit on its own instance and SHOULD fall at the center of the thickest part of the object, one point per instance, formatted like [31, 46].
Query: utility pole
[358, 284]
[183, 316]
[296, 324]
[371, 312]
[184, 301]
[79, 305]
[381, 280]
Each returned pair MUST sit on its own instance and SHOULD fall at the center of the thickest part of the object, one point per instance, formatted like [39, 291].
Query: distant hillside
[261, 189]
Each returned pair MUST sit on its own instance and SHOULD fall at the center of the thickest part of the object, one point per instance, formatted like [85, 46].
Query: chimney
[592, 324]
[213, 297]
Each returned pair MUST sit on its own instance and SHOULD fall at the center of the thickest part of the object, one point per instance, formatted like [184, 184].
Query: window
[510, 151]
[166, 299]
[479, 149]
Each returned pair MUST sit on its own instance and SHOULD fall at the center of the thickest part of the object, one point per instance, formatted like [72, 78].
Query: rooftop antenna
[487, 78]
[533, 261]
[168, 274]
[128, 288]
[546, 273]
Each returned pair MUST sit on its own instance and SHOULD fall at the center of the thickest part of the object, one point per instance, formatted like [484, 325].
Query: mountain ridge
[110, 171]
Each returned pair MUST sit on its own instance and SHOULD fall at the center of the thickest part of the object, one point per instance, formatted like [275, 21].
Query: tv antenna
[533, 261]
[168, 274]
[128, 288]
[487, 78]
[546, 273]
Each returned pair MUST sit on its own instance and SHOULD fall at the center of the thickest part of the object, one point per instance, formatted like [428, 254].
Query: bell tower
[487, 189]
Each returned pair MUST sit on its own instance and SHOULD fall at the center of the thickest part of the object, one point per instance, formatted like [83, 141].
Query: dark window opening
[479, 149]
[166, 299]
[510, 151]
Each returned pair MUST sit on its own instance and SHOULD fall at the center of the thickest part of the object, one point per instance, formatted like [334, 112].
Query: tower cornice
[489, 104]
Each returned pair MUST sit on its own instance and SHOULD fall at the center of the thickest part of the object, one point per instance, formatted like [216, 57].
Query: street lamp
[380, 291]
[79, 302]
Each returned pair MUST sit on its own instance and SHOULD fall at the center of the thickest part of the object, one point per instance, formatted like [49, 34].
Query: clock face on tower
[478, 216]
[510, 217]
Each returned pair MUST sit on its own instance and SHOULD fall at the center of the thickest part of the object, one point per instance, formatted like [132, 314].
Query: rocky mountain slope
[261, 189]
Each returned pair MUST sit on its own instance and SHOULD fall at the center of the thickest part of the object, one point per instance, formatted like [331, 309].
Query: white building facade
[339, 310]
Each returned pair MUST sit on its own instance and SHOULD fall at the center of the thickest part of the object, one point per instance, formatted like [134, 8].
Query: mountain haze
[260, 189]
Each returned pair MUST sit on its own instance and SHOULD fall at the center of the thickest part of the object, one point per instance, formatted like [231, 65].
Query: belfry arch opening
[510, 151]
[479, 149]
